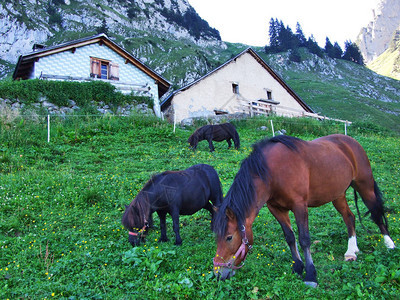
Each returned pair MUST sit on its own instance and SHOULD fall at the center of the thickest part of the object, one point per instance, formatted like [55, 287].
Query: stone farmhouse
[244, 84]
[93, 58]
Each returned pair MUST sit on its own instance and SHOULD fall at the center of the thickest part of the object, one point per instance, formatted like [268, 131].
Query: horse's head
[232, 247]
[193, 140]
[137, 236]
[135, 221]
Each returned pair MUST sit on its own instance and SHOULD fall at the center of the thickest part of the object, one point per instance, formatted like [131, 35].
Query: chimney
[38, 47]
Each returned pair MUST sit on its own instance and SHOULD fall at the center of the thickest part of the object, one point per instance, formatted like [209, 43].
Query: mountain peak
[375, 39]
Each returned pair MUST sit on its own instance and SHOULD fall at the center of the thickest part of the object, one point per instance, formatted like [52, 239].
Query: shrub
[60, 92]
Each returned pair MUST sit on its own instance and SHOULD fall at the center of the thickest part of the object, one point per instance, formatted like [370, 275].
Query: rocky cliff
[375, 39]
[23, 23]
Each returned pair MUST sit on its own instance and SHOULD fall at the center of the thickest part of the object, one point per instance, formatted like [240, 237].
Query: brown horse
[289, 174]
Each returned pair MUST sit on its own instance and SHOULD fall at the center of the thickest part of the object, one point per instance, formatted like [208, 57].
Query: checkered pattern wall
[77, 64]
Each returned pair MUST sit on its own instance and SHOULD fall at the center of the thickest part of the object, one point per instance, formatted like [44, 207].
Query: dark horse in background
[289, 174]
[174, 192]
[216, 133]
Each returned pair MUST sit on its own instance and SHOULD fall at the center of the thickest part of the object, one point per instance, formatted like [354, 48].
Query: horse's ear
[215, 209]
[230, 214]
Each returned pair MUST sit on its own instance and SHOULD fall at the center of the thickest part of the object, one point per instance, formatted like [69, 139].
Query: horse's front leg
[301, 215]
[210, 208]
[282, 215]
[163, 226]
[175, 224]
[229, 143]
[210, 144]
[348, 217]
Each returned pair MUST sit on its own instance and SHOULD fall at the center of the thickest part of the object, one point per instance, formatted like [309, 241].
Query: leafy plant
[61, 92]
[148, 259]
[70, 194]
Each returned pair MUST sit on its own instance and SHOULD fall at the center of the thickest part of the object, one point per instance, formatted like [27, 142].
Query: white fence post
[272, 128]
[48, 128]
[174, 121]
[345, 128]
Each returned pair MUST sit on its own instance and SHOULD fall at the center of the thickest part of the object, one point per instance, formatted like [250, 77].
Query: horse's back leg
[282, 216]
[372, 198]
[301, 215]
[175, 225]
[210, 208]
[343, 208]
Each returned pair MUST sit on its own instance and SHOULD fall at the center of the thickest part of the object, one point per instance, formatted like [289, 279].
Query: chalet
[92, 58]
[244, 84]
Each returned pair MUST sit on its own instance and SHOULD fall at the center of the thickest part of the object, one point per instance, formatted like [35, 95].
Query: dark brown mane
[241, 194]
[137, 213]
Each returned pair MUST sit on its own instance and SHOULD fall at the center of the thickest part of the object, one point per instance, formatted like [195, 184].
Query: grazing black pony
[175, 192]
[216, 133]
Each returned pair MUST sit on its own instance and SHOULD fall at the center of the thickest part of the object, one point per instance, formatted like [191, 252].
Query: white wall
[215, 91]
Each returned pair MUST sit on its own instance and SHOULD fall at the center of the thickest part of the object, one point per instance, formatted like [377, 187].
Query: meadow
[61, 205]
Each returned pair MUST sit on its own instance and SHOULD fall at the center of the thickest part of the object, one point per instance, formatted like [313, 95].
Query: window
[235, 88]
[269, 94]
[104, 69]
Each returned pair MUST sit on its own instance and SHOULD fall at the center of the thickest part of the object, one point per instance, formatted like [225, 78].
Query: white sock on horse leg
[352, 249]
[388, 242]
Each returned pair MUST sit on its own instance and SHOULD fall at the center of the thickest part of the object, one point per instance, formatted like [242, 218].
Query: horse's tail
[377, 210]
[233, 134]
[216, 188]
[236, 139]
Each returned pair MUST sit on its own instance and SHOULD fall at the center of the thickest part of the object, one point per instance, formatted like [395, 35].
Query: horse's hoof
[350, 258]
[389, 242]
[311, 284]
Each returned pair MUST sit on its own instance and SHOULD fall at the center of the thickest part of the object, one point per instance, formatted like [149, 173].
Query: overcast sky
[247, 21]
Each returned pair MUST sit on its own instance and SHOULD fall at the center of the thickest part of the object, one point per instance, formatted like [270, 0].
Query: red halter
[241, 252]
[140, 232]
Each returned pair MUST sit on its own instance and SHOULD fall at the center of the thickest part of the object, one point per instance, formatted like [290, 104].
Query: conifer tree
[313, 47]
[337, 51]
[329, 50]
[352, 53]
[302, 41]
[274, 33]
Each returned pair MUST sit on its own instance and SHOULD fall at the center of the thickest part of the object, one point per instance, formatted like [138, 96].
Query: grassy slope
[388, 63]
[337, 89]
[341, 89]
[357, 94]
[385, 63]
[61, 204]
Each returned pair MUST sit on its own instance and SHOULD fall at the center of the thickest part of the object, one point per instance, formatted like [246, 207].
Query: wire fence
[46, 127]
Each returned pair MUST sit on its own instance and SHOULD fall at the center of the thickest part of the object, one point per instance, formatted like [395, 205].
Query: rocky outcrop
[24, 23]
[375, 39]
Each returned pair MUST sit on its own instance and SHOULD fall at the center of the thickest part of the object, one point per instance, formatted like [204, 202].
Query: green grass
[341, 89]
[61, 205]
